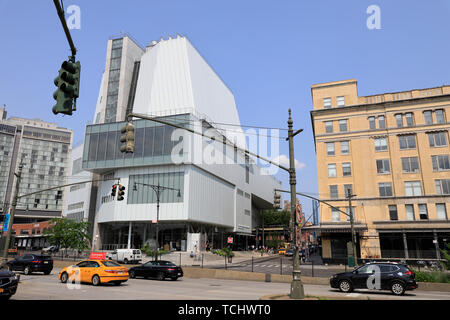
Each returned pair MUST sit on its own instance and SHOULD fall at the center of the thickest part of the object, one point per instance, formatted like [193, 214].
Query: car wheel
[132, 274]
[27, 270]
[95, 280]
[64, 277]
[160, 276]
[174, 278]
[125, 261]
[397, 288]
[4, 298]
[345, 286]
[47, 273]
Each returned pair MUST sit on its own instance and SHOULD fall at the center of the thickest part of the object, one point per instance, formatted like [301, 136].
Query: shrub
[150, 252]
[225, 252]
[436, 276]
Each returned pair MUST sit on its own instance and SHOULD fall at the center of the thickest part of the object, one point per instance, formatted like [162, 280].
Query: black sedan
[378, 276]
[156, 269]
[29, 263]
[8, 284]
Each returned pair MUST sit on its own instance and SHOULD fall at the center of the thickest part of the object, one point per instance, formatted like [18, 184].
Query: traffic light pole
[16, 197]
[11, 216]
[352, 221]
[352, 225]
[60, 12]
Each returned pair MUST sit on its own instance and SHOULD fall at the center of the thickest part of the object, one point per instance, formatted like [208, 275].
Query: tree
[68, 234]
[276, 218]
[446, 255]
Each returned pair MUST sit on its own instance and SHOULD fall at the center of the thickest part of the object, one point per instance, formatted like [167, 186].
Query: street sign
[230, 240]
[6, 222]
[298, 214]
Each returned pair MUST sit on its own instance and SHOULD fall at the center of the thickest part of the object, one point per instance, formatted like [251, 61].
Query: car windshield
[110, 264]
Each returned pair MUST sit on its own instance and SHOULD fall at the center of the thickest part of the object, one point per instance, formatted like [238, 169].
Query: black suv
[29, 263]
[378, 276]
[8, 284]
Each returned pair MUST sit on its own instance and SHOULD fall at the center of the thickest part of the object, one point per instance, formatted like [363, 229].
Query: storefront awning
[336, 228]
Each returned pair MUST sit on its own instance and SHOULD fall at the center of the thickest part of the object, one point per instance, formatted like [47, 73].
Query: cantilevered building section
[213, 197]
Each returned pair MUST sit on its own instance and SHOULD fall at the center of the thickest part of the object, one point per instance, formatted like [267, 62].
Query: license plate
[1, 290]
[120, 272]
[46, 262]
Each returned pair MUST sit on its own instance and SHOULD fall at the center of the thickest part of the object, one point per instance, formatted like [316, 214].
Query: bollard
[202, 260]
[225, 262]
[252, 263]
[268, 277]
[312, 268]
[180, 259]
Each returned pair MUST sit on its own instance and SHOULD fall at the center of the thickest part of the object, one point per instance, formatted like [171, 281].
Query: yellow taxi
[282, 251]
[95, 272]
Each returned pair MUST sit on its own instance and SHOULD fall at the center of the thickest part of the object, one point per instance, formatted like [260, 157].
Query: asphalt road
[41, 287]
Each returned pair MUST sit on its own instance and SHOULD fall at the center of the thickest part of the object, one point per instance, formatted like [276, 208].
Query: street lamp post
[297, 291]
[158, 189]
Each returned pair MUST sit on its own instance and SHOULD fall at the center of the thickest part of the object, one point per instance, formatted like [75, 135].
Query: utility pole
[350, 195]
[13, 211]
[297, 291]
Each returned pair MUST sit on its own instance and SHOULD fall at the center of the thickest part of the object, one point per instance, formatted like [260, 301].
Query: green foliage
[446, 255]
[436, 276]
[69, 234]
[279, 218]
[273, 243]
[150, 252]
[225, 252]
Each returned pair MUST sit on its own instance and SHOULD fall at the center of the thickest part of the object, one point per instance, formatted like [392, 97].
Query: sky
[268, 53]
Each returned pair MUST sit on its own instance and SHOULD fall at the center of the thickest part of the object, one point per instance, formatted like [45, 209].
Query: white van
[125, 255]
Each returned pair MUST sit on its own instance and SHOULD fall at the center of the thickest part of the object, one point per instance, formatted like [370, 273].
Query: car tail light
[111, 271]
[36, 261]
[409, 273]
[171, 269]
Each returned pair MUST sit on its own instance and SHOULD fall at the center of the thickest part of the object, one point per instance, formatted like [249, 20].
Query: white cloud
[284, 161]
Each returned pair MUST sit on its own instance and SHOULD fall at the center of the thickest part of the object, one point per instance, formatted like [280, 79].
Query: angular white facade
[170, 80]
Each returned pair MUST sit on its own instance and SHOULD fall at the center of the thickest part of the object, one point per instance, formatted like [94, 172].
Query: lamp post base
[297, 291]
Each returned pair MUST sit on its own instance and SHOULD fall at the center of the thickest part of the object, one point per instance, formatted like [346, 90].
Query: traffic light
[128, 138]
[113, 191]
[121, 192]
[68, 83]
[277, 201]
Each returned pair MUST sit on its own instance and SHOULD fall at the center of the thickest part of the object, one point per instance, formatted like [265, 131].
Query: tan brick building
[392, 150]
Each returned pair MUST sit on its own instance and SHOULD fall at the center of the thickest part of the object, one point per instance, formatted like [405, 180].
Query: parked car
[289, 253]
[95, 272]
[51, 249]
[29, 263]
[393, 276]
[125, 255]
[157, 269]
[282, 251]
[8, 284]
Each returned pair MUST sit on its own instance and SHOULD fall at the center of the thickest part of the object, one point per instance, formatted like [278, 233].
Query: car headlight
[13, 278]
